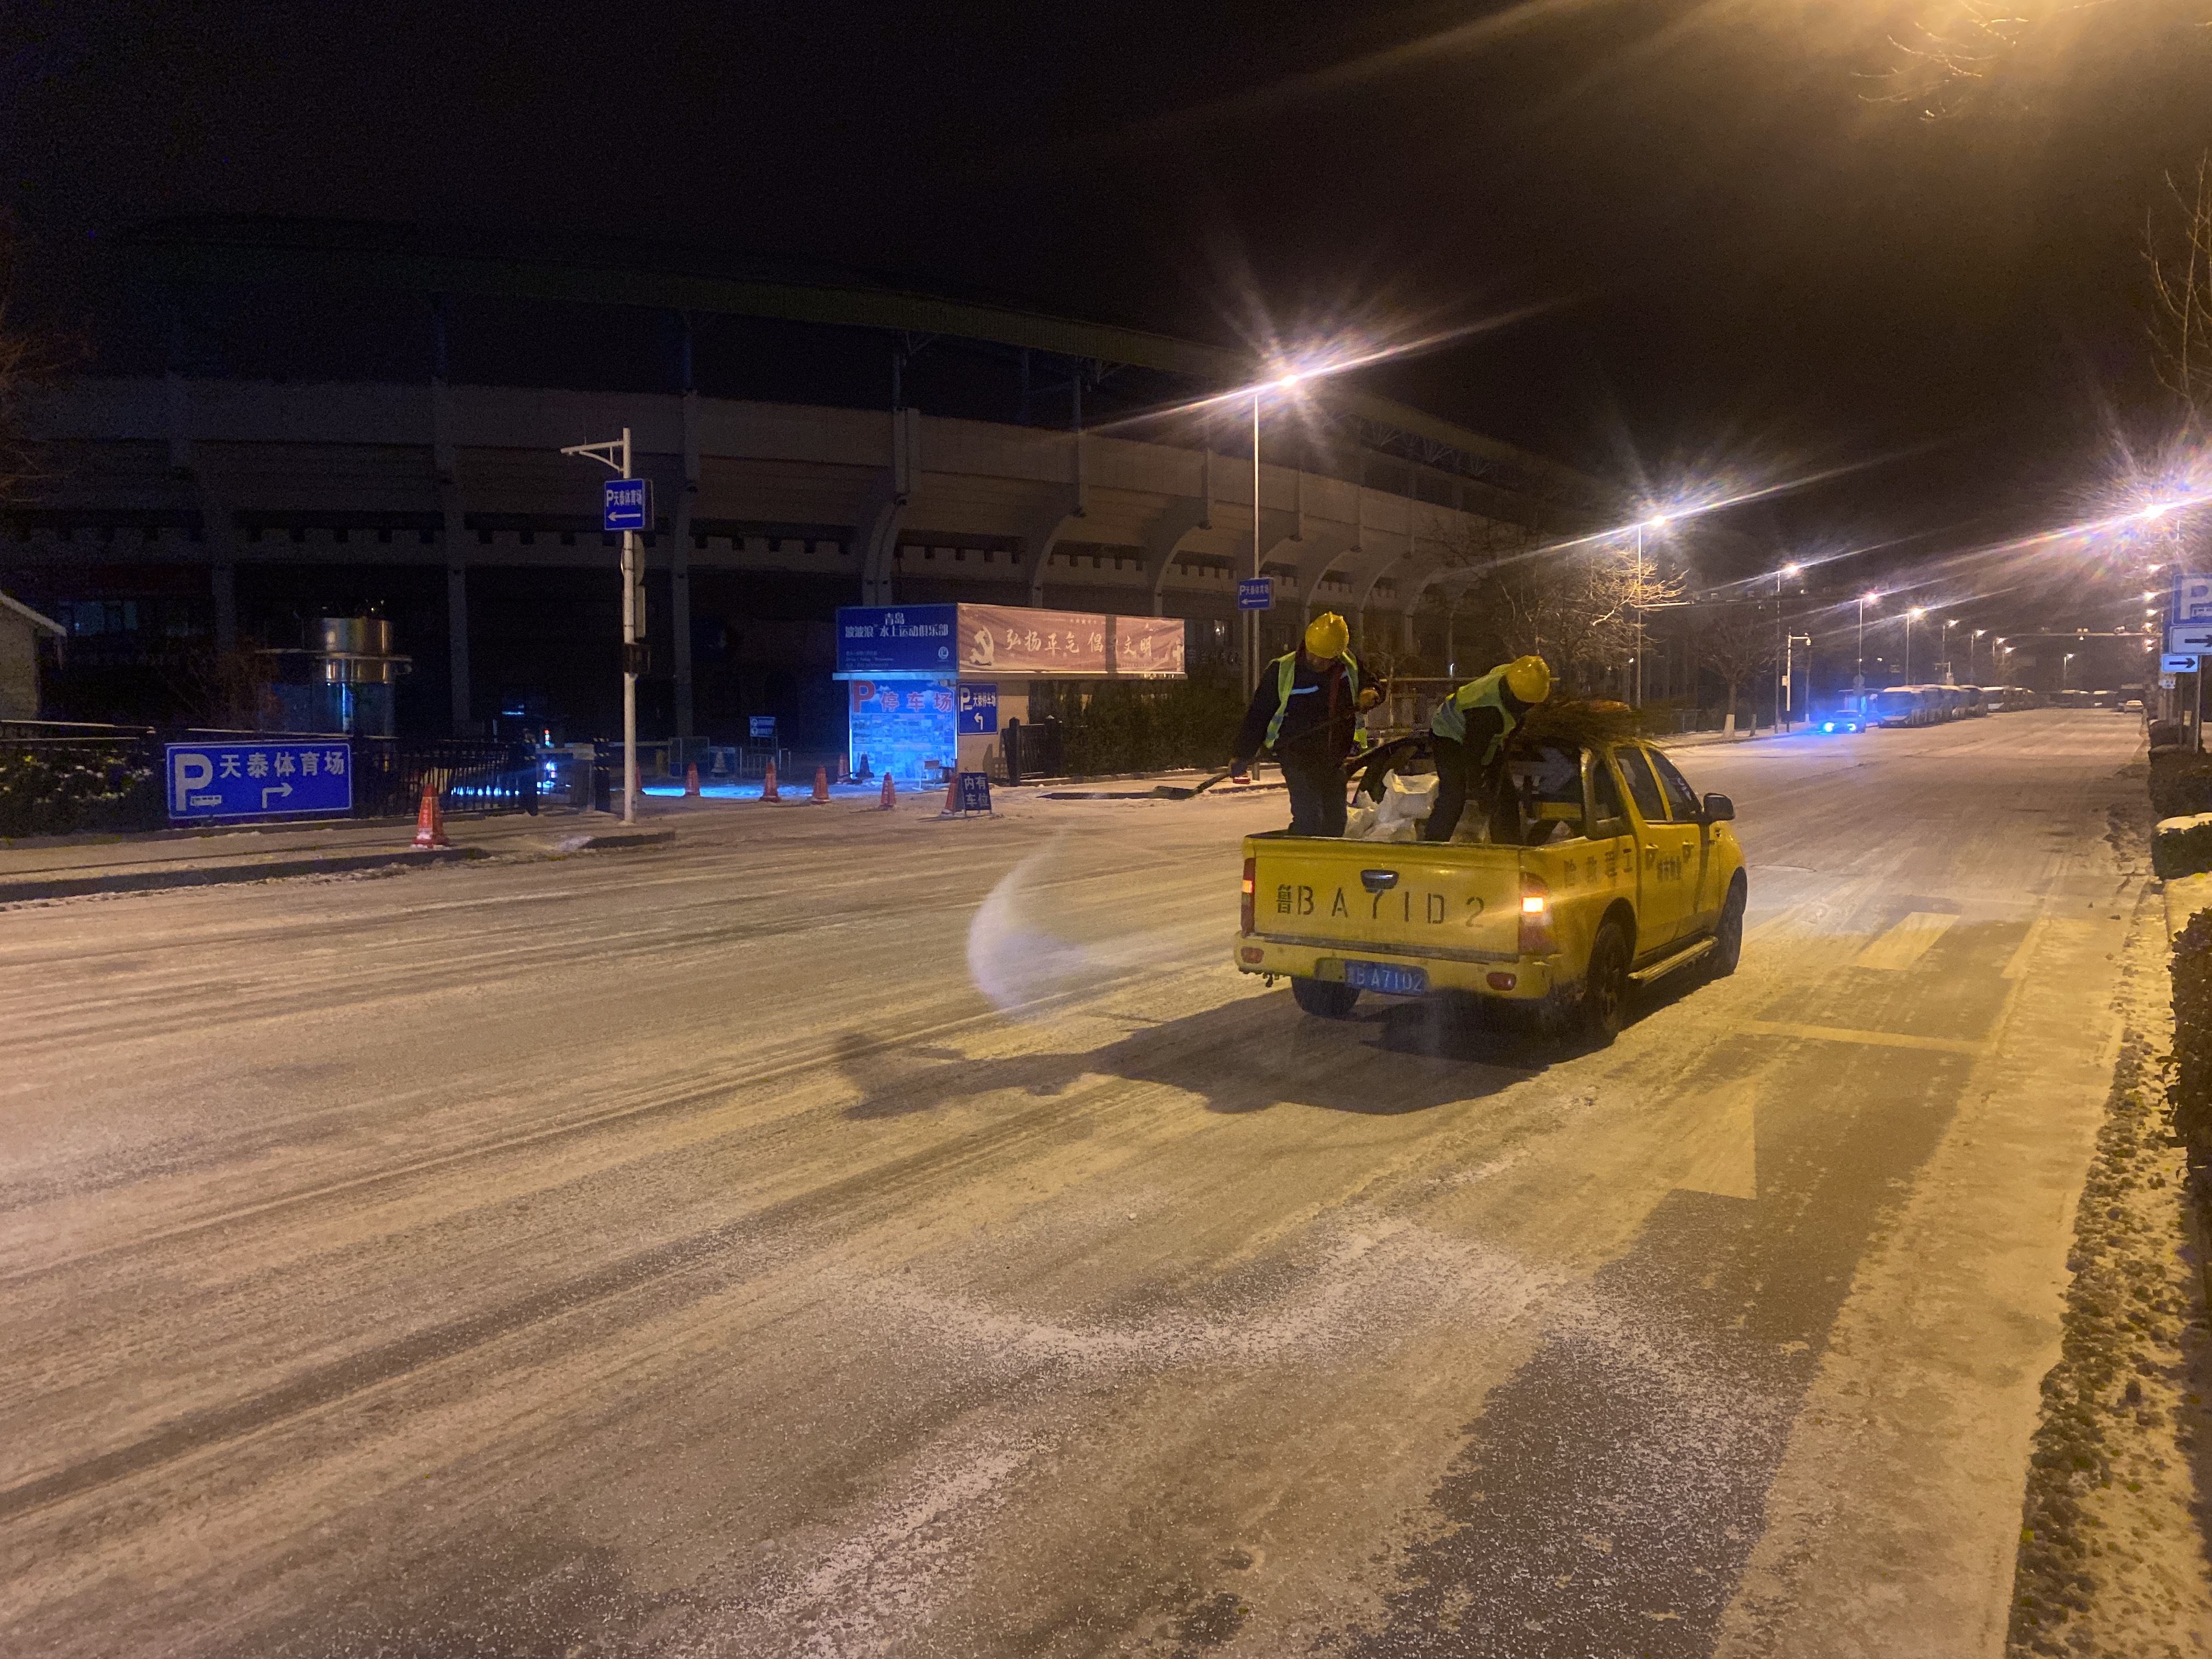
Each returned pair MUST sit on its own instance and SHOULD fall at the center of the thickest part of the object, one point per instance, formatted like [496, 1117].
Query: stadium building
[291, 420]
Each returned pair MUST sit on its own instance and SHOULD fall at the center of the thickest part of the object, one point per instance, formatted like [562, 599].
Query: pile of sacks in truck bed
[1398, 815]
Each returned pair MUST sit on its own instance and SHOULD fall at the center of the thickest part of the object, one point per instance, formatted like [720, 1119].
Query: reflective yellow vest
[1287, 673]
[1489, 692]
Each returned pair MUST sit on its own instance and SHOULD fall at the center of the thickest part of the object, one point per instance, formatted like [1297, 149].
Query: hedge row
[1144, 728]
[2182, 847]
[2192, 1037]
[60, 790]
[2180, 784]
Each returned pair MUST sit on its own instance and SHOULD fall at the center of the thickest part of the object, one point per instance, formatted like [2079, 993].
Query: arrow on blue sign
[628, 505]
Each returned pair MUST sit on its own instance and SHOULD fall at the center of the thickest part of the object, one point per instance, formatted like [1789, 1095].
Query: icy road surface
[677, 1253]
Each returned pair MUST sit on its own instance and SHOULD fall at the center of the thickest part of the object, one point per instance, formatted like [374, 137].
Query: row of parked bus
[1931, 705]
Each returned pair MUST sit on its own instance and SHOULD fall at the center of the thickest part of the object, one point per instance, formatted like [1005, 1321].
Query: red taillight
[1536, 937]
[1503, 981]
[1246, 916]
[1253, 953]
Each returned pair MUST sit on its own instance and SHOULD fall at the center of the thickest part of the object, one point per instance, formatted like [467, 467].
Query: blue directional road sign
[2181, 663]
[978, 708]
[1256, 594]
[275, 778]
[629, 504]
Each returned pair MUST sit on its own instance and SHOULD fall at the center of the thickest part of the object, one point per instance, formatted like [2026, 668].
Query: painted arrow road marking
[1906, 942]
[1724, 1143]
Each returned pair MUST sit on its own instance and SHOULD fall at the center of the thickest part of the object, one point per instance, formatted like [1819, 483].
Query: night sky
[1733, 259]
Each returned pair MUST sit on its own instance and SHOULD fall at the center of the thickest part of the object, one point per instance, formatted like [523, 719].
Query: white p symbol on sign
[188, 771]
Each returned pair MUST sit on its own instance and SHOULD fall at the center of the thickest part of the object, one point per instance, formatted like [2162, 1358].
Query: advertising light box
[896, 639]
[904, 727]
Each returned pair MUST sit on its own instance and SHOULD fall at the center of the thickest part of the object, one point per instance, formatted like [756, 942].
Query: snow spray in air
[1036, 936]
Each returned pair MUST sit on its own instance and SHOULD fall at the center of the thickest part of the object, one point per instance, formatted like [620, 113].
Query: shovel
[1185, 791]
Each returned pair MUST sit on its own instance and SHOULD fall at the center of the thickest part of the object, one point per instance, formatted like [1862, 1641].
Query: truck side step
[1682, 958]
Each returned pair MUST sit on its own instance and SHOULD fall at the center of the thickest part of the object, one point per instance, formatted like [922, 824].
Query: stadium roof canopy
[345, 254]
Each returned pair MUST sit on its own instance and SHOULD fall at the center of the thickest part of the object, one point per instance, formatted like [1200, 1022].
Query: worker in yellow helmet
[1306, 710]
[1469, 730]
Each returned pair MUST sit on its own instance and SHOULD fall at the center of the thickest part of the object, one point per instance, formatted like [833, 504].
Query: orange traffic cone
[768, 789]
[891, 794]
[952, 796]
[821, 785]
[691, 780]
[429, 821]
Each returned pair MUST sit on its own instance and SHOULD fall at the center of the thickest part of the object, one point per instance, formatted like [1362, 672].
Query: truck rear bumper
[1515, 979]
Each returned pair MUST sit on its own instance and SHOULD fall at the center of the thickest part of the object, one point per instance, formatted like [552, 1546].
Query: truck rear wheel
[1325, 997]
[1605, 986]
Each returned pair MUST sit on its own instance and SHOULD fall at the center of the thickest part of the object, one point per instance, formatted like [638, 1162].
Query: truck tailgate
[1442, 899]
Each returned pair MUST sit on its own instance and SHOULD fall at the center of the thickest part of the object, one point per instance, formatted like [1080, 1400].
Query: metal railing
[76, 775]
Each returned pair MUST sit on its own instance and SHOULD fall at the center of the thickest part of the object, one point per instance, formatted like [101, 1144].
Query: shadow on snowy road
[1249, 1055]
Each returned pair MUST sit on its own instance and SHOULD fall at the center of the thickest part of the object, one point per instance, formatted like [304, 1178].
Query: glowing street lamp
[2066, 668]
[1950, 623]
[1283, 380]
[1978, 632]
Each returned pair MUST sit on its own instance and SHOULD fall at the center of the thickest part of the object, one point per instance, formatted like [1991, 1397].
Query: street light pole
[1910, 614]
[615, 457]
[1858, 674]
[1640, 614]
[1252, 629]
[1782, 653]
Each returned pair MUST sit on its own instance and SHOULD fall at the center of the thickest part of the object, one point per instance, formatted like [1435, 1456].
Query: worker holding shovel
[1306, 711]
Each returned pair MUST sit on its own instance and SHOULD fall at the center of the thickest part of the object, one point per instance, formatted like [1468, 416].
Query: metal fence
[59, 776]
[390, 775]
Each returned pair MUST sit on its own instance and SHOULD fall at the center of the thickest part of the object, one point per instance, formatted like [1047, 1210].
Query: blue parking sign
[1256, 594]
[279, 778]
[627, 504]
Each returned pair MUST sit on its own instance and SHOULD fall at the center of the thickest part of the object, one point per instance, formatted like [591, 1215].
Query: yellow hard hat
[1529, 679]
[1326, 636]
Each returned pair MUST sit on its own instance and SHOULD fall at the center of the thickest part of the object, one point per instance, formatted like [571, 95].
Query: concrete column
[219, 533]
[225, 583]
[457, 608]
[679, 608]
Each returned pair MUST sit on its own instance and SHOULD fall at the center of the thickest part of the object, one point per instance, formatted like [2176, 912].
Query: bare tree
[1578, 606]
[1737, 642]
[1959, 56]
[2177, 248]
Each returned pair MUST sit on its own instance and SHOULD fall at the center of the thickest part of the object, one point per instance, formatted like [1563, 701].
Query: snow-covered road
[853, 1233]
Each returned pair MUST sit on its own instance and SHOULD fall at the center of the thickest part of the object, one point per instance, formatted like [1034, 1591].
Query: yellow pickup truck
[1607, 870]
